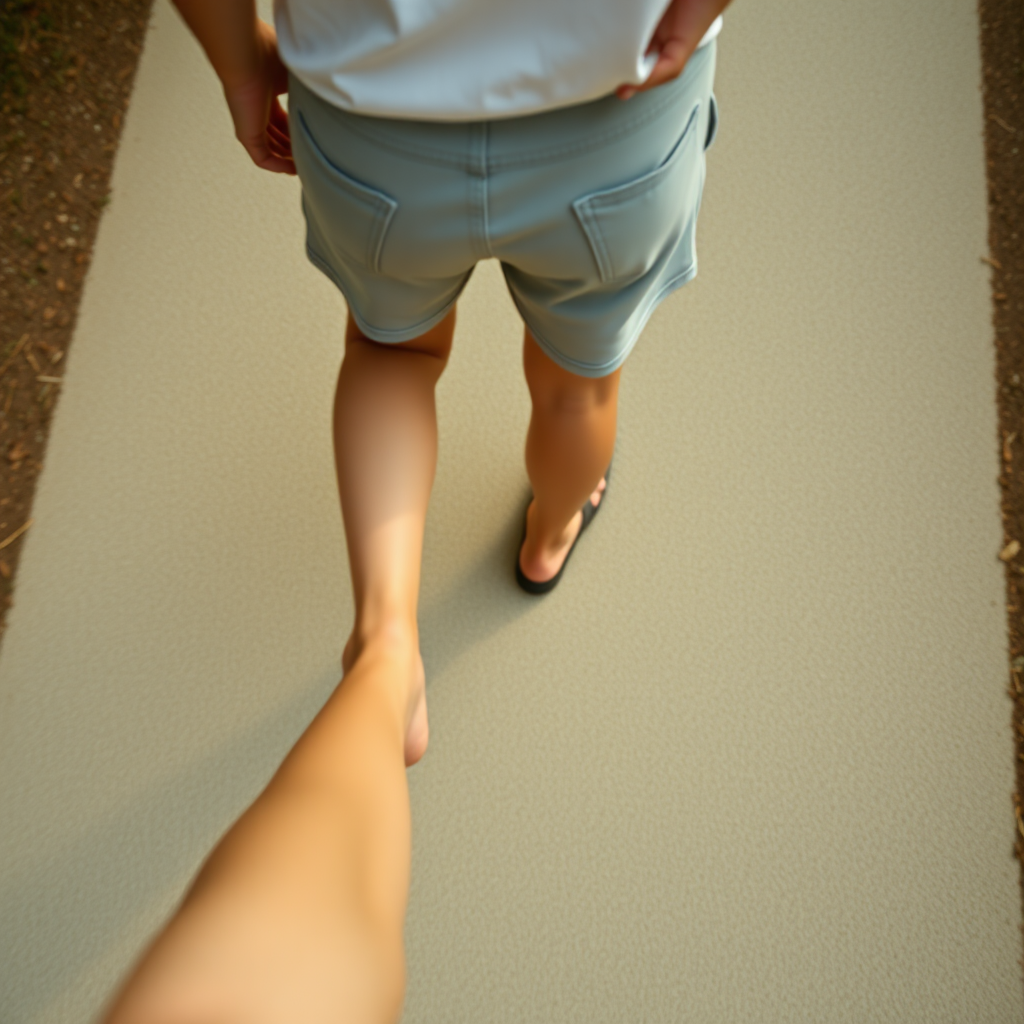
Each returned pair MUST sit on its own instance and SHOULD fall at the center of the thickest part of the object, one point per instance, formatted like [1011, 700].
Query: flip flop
[589, 511]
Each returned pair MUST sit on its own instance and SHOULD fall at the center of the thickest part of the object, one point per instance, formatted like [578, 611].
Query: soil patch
[1002, 49]
[66, 72]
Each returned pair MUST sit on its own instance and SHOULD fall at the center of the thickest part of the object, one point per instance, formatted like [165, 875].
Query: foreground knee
[556, 391]
[579, 397]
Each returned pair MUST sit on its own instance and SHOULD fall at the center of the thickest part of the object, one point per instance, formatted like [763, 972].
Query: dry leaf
[17, 533]
[1006, 554]
[10, 359]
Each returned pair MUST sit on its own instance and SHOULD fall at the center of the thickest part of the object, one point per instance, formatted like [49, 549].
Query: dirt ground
[66, 73]
[1002, 48]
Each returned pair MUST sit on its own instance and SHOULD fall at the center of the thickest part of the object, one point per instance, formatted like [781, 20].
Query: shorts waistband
[481, 147]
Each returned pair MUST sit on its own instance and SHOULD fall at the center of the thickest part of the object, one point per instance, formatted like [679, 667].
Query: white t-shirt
[467, 60]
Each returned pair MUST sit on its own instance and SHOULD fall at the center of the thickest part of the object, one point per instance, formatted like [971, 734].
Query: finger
[279, 140]
[281, 154]
[671, 62]
[278, 165]
[279, 117]
[280, 131]
[264, 158]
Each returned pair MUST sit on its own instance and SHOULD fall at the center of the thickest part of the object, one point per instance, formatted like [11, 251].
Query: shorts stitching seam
[424, 325]
[484, 192]
[603, 369]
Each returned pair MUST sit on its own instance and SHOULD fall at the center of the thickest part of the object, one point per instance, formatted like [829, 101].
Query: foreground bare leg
[569, 446]
[298, 914]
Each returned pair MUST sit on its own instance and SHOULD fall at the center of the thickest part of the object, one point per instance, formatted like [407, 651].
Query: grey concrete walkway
[751, 762]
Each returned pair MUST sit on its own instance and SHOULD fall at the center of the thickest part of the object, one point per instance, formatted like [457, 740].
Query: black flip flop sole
[589, 511]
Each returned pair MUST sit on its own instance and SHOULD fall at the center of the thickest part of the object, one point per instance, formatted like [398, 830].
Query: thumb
[671, 61]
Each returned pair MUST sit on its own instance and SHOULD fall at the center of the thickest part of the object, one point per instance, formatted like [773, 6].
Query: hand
[261, 124]
[678, 34]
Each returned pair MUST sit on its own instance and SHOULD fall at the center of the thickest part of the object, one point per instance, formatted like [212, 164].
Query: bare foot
[540, 563]
[417, 731]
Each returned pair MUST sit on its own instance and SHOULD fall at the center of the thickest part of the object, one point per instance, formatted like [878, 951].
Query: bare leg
[569, 446]
[298, 914]
[385, 439]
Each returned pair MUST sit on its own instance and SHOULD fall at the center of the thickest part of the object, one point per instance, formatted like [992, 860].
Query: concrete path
[752, 760]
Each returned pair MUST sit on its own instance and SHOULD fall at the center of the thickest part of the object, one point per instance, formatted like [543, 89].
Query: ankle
[542, 538]
[386, 654]
[394, 635]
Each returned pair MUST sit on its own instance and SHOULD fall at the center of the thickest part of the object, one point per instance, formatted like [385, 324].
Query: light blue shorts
[591, 209]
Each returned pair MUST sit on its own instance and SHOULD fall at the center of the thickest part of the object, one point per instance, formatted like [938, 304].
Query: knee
[571, 400]
[556, 391]
[566, 394]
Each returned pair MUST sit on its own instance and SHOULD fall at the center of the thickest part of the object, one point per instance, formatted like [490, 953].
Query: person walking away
[565, 140]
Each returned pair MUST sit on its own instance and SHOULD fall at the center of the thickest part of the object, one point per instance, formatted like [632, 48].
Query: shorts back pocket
[344, 216]
[631, 225]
